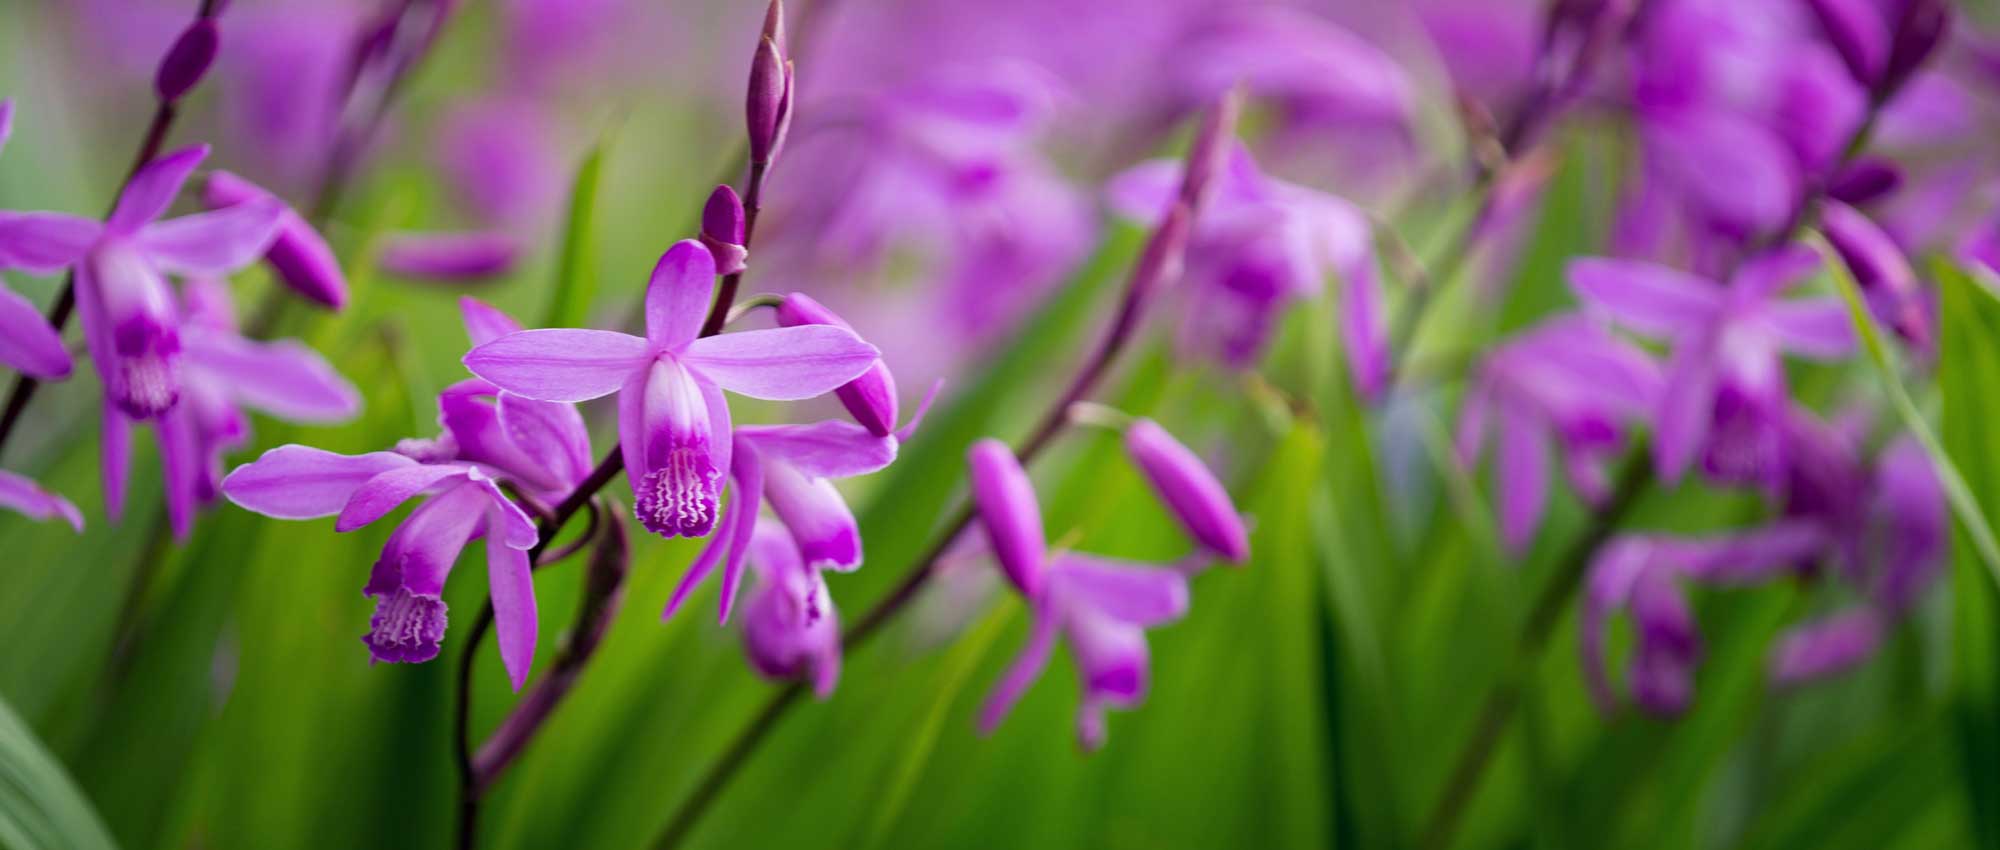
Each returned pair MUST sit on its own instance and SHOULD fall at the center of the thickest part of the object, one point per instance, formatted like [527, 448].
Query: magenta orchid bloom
[1643, 573]
[1566, 380]
[792, 467]
[673, 423]
[23, 496]
[298, 482]
[27, 342]
[299, 254]
[790, 629]
[129, 320]
[1101, 606]
[224, 372]
[1725, 390]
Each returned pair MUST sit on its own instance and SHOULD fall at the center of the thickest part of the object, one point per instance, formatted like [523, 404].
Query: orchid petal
[152, 189]
[819, 519]
[1813, 327]
[827, 449]
[27, 342]
[41, 243]
[1524, 476]
[1686, 408]
[27, 498]
[381, 494]
[180, 468]
[114, 444]
[283, 378]
[677, 296]
[506, 521]
[1126, 591]
[483, 322]
[1027, 667]
[752, 481]
[560, 364]
[511, 584]
[213, 243]
[1650, 298]
[301, 482]
[781, 364]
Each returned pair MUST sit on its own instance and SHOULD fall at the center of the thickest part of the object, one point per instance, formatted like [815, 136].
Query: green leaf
[39, 805]
[1969, 375]
[576, 281]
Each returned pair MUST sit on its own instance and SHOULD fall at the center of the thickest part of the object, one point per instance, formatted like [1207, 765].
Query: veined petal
[485, 323]
[751, 480]
[27, 342]
[153, 188]
[1027, 667]
[284, 378]
[678, 478]
[27, 498]
[506, 522]
[1812, 327]
[826, 449]
[1126, 591]
[213, 243]
[781, 364]
[560, 364]
[1647, 297]
[512, 586]
[678, 294]
[817, 516]
[379, 495]
[41, 242]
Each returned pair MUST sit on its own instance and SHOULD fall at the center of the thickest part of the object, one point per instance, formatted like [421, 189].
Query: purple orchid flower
[127, 307]
[23, 496]
[1101, 606]
[27, 342]
[790, 628]
[672, 420]
[450, 257]
[1881, 270]
[1725, 390]
[224, 372]
[1644, 574]
[298, 482]
[1568, 379]
[792, 467]
[1261, 245]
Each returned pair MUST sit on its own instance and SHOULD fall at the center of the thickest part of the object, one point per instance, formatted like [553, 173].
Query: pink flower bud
[722, 230]
[871, 398]
[768, 101]
[1007, 507]
[1190, 491]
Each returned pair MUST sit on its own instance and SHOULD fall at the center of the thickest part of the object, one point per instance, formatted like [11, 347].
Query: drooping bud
[1007, 507]
[1189, 490]
[1864, 180]
[871, 398]
[768, 105]
[299, 254]
[722, 230]
[187, 61]
[1209, 152]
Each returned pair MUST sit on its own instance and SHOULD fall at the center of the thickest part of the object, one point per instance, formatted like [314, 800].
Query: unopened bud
[187, 61]
[722, 230]
[871, 398]
[768, 100]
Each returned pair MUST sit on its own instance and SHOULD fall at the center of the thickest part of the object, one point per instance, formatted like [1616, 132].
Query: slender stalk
[157, 129]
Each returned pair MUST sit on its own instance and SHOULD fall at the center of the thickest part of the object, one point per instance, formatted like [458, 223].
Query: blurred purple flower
[501, 162]
[1567, 379]
[790, 628]
[1644, 573]
[1102, 607]
[298, 482]
[22, 495]
[1882, 271]
[673, 423]
[1725, 390]
[27, 342]
[449, 257]
[1260, 246]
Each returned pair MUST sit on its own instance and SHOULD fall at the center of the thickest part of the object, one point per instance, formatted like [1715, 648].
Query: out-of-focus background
[944, 189]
